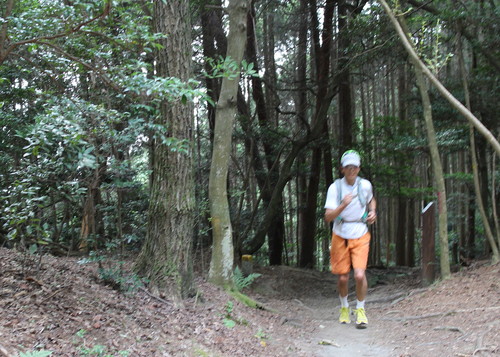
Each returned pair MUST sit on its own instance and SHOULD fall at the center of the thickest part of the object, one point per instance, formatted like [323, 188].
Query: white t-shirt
[351, 226]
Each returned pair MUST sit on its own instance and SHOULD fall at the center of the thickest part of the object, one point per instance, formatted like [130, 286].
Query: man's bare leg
[361, 290]
[343, 290]
[343, 284]
[361, 284]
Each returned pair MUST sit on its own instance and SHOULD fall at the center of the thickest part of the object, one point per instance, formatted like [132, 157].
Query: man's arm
[372, 211]
[331, 214]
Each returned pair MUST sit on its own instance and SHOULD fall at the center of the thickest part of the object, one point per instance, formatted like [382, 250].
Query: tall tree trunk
[316, 131]
[420, 69]
[346, 137]
[438, 174]
[165, 258]
[479, 197]
[265, 114]
[470, 243]
[401, 232]
[92, 224]
[410, 250]
[301, 118]
[328, 173]
[401, 160]
[221, 265]
[214, 45]
[9, 5]
[308, 241]
[322, 52]
[276, 234]
[495, 198]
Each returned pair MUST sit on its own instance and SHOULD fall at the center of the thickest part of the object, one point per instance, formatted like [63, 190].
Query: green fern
[35, 354]
[240, 281]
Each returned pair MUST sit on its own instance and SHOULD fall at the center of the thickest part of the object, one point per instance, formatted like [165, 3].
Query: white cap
[350, 157]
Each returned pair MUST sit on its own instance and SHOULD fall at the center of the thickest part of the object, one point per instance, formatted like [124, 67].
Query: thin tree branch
[424, 6]
[467, 33]
[444, 92]
[9, 49]
[103, 76]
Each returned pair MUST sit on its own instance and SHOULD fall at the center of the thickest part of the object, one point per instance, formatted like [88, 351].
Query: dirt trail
[459, 317]
[342, 340]
[308, 300]
[59, 305]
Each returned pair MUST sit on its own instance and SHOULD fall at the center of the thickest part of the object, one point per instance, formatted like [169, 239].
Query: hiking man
[351, 206]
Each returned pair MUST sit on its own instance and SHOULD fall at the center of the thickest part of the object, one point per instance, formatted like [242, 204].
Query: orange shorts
[347, 252]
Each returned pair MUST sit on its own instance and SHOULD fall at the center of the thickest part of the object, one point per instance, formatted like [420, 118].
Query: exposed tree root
[489, 349]
[386, 299]
[4, 352]
[248, 301]
[155, 297]
[449, 328]
[440, 314]
[479, 344]
[395, 298]
[303, 305]
[55, 293]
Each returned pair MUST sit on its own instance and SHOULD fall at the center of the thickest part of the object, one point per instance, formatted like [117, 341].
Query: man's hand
[372, 217]
[347, 199]
[331, 214]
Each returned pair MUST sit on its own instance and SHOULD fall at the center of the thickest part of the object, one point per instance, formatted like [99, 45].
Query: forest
[163, 163]
[180, 131]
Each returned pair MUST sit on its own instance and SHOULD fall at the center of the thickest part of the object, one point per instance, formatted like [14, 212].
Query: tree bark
[165, 258]
[221, 265]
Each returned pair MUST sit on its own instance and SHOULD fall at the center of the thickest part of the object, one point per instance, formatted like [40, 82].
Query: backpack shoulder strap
[338, 186]
[362, 199]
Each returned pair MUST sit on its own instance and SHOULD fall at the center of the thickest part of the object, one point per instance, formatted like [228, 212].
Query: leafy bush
[55, 160]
